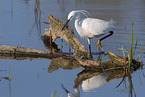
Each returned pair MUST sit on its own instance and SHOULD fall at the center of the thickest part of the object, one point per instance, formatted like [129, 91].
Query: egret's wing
[95, 27]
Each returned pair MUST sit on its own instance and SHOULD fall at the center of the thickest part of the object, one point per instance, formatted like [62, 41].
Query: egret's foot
[99, 45]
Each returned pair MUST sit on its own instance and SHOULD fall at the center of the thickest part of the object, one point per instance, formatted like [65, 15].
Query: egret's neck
[78, 25]
[77, 21]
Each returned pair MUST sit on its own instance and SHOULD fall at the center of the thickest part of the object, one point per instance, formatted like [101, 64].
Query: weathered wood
[67, 34]
[12, 52]
[86, 61]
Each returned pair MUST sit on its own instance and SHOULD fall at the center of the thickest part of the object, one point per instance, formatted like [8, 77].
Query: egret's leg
[89, 42]
[111, 33]
[99, 41]
[98, 45]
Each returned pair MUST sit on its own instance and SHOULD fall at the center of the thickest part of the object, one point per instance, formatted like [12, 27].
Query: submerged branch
[20, 53]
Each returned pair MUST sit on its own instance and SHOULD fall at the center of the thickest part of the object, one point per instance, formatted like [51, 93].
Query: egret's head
[75, 13]
[69, 18]
[71, 15]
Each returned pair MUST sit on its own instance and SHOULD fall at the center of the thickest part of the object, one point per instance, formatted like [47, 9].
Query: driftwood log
[55, 32]
[21, 53]
[80, 55]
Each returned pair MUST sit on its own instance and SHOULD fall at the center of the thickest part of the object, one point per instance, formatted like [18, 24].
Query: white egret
[90, 27]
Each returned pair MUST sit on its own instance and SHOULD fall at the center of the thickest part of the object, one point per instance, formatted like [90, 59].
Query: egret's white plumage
[90, 27]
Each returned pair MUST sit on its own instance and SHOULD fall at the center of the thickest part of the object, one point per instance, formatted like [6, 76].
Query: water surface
[21, 24]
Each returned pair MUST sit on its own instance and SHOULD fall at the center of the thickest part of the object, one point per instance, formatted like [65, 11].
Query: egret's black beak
[66, 24]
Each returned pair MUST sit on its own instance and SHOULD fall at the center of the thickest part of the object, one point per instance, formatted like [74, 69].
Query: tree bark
[67, 34]
[20, 53]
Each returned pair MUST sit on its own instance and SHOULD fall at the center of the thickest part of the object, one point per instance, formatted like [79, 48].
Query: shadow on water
[89, 78]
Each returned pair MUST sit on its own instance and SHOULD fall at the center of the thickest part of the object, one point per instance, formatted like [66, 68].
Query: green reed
[9, 77]
[130, 49]
[130, 53]
[54, 94]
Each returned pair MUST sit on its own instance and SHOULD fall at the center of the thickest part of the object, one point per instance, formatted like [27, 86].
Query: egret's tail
[112, 21]
[112, 26]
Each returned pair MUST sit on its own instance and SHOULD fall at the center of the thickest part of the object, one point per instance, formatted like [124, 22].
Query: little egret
[90, 27]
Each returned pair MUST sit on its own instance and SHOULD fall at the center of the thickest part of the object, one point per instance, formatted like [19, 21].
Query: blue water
[30, 78]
